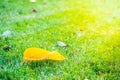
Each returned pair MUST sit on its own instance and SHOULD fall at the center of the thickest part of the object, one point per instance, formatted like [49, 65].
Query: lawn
[90, 28]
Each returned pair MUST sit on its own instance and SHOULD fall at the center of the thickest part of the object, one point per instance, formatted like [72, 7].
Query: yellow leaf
[40, 54]
[55, 56]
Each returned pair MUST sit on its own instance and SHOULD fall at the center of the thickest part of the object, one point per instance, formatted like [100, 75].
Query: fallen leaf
[55, 56]
[40, 54]
[6, 33]
[34, 10]
[59, 43]
[80, 32]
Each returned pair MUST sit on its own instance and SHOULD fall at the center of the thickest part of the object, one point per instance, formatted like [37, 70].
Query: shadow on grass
[35, 64]
[30, 69]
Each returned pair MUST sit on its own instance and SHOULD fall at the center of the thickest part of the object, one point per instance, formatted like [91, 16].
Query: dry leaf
[40, 54]
[81, 30]
[34, 10]
[59, 43]
[55, 56]
[6, 33]
[80, 33]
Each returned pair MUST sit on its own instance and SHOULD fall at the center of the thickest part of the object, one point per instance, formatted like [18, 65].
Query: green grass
[95, 55]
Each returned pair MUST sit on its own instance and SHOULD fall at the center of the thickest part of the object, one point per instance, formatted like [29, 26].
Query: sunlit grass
[94, 55]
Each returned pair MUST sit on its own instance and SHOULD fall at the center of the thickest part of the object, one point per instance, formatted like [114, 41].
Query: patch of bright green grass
[95, 55]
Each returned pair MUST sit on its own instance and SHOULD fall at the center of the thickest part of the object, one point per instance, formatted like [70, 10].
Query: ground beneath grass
[90, 28]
